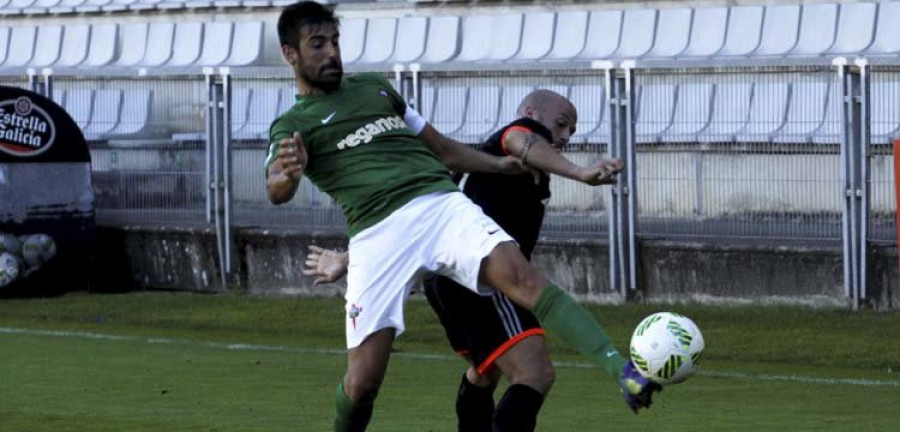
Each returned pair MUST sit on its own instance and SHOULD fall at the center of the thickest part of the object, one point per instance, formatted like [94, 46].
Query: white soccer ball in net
[9, 268]
[38, 249]
[666, 347]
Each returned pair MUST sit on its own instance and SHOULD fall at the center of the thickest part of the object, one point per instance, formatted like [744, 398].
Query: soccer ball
[10, 243]
[666, 347]
[38, 249]
[9, 268]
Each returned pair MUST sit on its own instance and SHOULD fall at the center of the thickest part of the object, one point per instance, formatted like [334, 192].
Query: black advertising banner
[35, 129]
[47, 231]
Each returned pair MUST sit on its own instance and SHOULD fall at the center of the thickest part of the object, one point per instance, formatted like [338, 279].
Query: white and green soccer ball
[38, 249]
[666, 347]
[9, 268]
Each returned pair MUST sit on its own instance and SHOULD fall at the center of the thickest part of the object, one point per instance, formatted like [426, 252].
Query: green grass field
[180, 362]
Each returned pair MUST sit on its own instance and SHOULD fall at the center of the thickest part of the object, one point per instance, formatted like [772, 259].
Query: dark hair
[300, 14]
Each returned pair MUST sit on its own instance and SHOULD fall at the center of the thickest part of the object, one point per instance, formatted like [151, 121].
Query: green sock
[559, 313]
[352, 416]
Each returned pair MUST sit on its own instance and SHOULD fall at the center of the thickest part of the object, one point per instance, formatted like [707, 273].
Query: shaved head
[540, 98]
[553, 111]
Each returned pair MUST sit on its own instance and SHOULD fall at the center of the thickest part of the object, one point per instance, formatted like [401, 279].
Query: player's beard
[327, 78]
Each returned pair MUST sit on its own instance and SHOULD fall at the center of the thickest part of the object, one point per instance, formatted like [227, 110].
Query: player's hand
[637, 390]
[291, 160]
[512, 165]
[603, 172]
[327, 265]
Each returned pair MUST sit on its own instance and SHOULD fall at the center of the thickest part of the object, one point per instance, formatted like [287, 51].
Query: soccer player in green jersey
[357, 141]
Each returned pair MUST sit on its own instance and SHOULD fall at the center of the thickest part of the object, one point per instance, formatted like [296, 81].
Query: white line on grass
[333, 351]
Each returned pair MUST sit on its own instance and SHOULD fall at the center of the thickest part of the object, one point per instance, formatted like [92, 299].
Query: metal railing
[767, 154]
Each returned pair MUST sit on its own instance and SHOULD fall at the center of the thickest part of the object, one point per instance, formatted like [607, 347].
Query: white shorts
[443, 233]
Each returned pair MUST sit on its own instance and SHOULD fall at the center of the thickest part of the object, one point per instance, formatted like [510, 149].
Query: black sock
[518, 409]
[474, 407]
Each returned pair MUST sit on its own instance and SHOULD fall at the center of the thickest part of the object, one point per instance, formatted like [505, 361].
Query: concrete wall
[270, 263]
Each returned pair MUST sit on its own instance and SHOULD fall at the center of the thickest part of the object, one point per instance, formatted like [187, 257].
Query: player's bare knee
[361, 388]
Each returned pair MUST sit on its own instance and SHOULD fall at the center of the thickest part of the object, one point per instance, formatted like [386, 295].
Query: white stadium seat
[105, 114]
[855, 28]
[510, 98]
[806, 112]
[76, 39]
[21, 46]
[887, 33]
[78, 104]
[673, 31]
[133, 120]
[832, 126]
[102, 48]
[132, 43]
[160, 36]
[638, 33]
[353, 39]
[730, 112]
[603, 34]
[779, 32]
[188, 39]
[65, 6]
[410, 40]
[590, 102]
[4, 44]
[217, 39]
[537, 36]
[655, 110]
[693, 109]
[767, 112]
[482, 111]
[248, 43]
[449, 108]
[570, 35]
[707, 32]
[885, 110]
[263, 108]
[47, 46]
[91, 6]
[818, 26]
[745, 25]
[443, 39]
[381, 37]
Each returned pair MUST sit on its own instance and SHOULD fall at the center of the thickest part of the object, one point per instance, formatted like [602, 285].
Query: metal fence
[749, 154]
[884, 103]
[792, 153]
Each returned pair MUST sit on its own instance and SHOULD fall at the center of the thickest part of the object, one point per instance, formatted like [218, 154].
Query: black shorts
[483, 327]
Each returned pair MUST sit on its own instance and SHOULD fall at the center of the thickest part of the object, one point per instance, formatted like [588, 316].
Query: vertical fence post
[417, 89]
[225, 212]
[211, 102]
[48, 82]
[853, 179]
[218, 165]
[897, 192]
[862, 193]
[622, 245]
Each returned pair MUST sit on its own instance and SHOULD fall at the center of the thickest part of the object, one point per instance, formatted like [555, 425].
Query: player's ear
[290, 54]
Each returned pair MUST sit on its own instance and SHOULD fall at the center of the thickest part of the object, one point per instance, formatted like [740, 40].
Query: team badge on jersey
[383, 92]
[353, 313]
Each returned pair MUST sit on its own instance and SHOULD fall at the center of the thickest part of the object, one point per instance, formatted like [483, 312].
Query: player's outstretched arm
[287, 159]
[326, 265]
[459, 157]
[535, 151]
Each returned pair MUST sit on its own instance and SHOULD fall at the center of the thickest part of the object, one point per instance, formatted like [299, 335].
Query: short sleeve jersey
[515, 202]
[361, 153]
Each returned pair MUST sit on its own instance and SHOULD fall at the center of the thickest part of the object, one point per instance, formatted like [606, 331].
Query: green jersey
[361, 153]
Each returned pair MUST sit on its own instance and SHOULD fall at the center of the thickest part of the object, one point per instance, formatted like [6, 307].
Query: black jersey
[515, 202]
